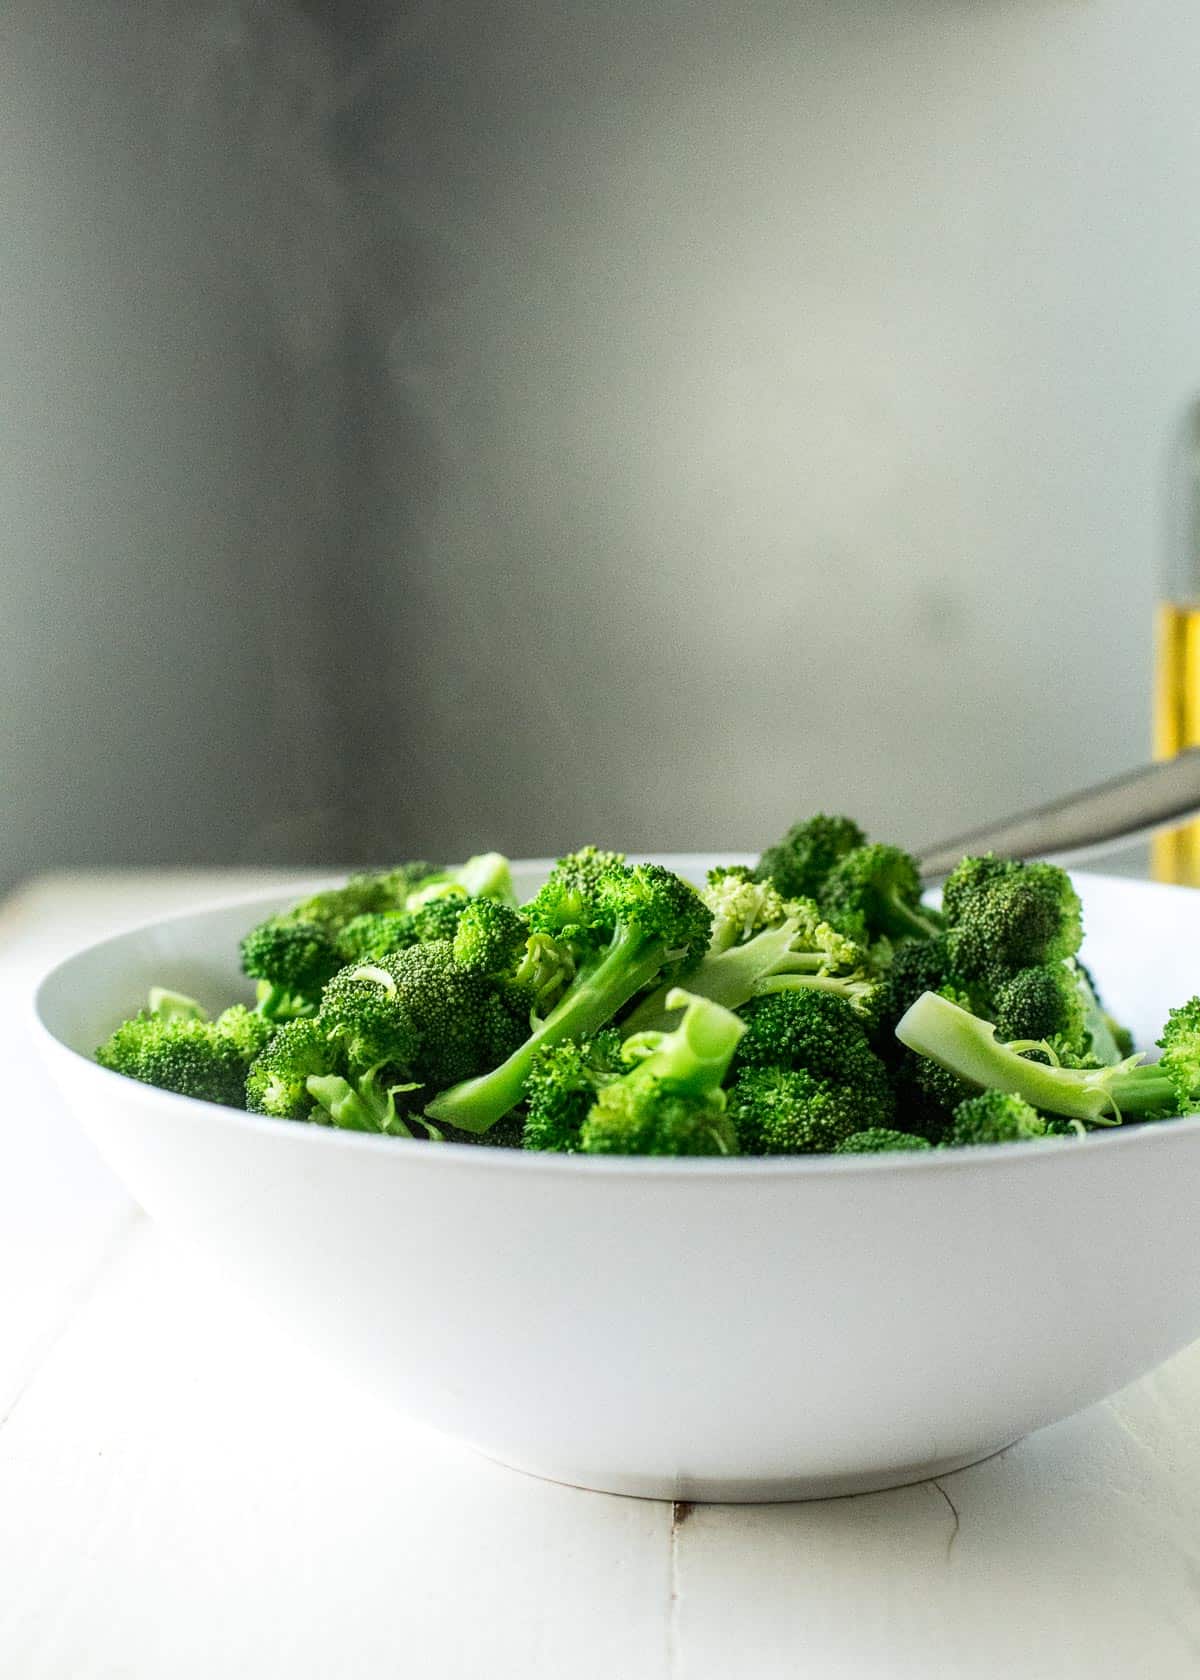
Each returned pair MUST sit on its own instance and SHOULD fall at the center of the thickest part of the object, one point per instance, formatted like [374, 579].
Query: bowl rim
[733, 1168]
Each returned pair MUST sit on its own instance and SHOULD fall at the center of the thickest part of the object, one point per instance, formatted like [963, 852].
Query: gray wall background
[518, 422]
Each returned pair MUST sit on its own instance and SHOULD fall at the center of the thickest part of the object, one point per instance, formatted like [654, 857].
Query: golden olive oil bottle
[1176, 854]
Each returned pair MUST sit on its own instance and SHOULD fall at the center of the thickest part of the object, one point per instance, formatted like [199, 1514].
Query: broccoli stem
[905, 920]
[630, 963]
[697, 1054]
[963, 1044]
[356, 1109]
[765, 963]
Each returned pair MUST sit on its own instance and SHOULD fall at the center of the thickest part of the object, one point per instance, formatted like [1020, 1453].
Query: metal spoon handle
[1156, 796]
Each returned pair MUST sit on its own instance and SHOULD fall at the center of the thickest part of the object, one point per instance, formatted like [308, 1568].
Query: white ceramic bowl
[695, 1329]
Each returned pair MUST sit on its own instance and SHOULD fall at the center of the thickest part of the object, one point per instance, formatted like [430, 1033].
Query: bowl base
[762, 1490]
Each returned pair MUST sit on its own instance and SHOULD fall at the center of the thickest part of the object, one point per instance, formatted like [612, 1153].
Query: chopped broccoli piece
[277, 1083]
[801, 952]
[670, 1102]
[788, 1111]
[881, 886]
[193, 1058]
[822, 1036]
[878, 1139]
[626, 923]
[1040, 1003]
[799, 863]
[293, 960]
[175, 1006]
[967, 1047]
[994, 1117]
[490, 937]
[249, 1030]
[564, 1081]
[1003, 916]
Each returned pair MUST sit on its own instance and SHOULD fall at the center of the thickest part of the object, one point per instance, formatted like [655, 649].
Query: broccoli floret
[460, 1022]
[919, 965]
[648, 919]
[567, 907]
[1003, 916]
[880, 885]
[249, 1030]
[670, 1102]
[879, 1139]
[788, 1111]
[1041, 1003]
[563, 1083]
[292, 960]
[490, 937]
[741, 906]
[368, 937]
[801, 952]
[649, 1118]
[994, 1117]
[800, 862]
[967, 1047]
[363, 1012]
[822, 1036]
[193, 1058]
[277, 1083]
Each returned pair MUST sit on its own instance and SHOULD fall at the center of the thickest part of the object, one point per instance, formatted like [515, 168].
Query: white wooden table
[184, 1494]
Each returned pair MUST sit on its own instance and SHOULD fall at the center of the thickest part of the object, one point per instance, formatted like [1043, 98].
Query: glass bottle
[1176, 854]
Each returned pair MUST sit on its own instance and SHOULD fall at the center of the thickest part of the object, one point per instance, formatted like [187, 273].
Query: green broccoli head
[1039, 1004]
[567, 906]
[249, 1031]
[490, 937]
[994, 1117]
[799, 863]
[368, 937]
[741, 906]
[878, 1139]
[363, 1013]
[460, 1019]
[821, 1034]
[788, 1111]
[1005, 915]
[1180, 1060]
[650, 1117]
[880, 887]
[563, 1083]
[277, 1083]
[293, 959]
[918, 965]
[193, 1058]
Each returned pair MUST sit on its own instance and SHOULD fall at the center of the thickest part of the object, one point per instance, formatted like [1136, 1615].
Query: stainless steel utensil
[1142, 801]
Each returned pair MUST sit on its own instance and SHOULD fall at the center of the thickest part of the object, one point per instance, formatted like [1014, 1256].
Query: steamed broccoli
[880, 887]
[788, 1111]
[670, 1101]
[765, 944]
[292, 960]
[1003, 916]
[179, 1053]
[277, 1081]
[967, 1047]
[994, 1117]
[823, 1036]
[624, 924]
[799, 863]
[564, 1081]
[879, 1139]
